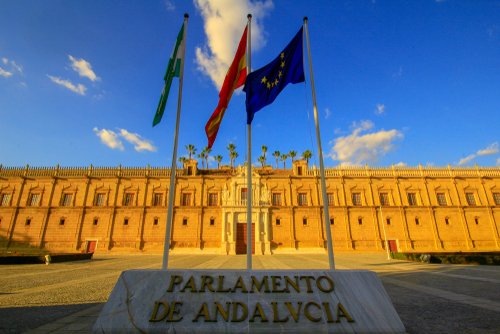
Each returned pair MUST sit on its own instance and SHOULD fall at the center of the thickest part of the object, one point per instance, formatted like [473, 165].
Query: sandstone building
[124, 209]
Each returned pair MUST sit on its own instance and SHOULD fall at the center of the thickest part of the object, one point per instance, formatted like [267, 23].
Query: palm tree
[292, 154]
[283, 158]
[207, 150]
[232, 156]
[277, 155]
[231, 147]
[218, 158]
[191, 150]
[264, 151]
[262, 160]
[232, 153]
[307, 155]
[201, 156]
[182, 160]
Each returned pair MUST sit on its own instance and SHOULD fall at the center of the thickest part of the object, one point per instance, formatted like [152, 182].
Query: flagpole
[320, 152]
[249, 161]
[171, 192]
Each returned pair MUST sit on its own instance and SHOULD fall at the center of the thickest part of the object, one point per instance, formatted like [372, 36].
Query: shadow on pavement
[21, 319]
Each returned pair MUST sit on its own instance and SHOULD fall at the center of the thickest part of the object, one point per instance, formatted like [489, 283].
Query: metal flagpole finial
[186, 15]
[249, 16]
[305, 19]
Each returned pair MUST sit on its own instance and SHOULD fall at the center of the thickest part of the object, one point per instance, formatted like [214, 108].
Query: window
[33, 199]
[388, 221]
[28, 222]
[329, 196]
[496, 198]
[212, 221]
[332, 221]
[155, 221]
[96, 221]
[417, 222]
[304, 221]
[278, 221]
[384, 199]
[470, 199]
[62, 221]
[276, 198]
[302, 199]
[447, 221]
[184, 221]
[356, 198]
[244, 195]
[412, 199]
[128, 199]
[476, 220]
[99, 199]
[66, 199]
[212, 199]
[125, 221]
[441, 199]
[157, 199]
[190, 170]
[299, 170]
[360, 221]
[186, 199]
[4, 199]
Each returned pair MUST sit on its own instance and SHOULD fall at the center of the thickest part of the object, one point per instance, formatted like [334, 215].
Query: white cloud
[398, 74]
[224, 23]
[467, 159]
[79, 88]
[83, 68]
[380, 109]
[17, 67]
[492, 149]
[401, 164]
[498, 162]
[9, 68]
[139, 143]
[359, 147]
[109, 138]
[4, 73]
[169, 5]
[328, 112]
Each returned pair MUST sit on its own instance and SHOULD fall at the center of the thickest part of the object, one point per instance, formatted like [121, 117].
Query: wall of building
[124, 209]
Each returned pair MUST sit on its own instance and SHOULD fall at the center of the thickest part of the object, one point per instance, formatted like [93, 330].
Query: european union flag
[263, 85]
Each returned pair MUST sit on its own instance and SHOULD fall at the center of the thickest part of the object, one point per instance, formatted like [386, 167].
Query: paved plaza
[429, 298]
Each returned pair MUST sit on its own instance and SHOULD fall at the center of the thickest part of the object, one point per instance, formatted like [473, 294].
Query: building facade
[124, 209]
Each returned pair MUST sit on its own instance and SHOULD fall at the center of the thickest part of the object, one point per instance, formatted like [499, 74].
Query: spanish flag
[235, 77]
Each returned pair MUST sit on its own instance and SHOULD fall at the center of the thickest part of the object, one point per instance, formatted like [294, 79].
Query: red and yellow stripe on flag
[235, 78]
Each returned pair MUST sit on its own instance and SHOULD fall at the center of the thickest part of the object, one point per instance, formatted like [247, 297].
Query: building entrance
[241, 238]
[91, 244]
[393, 247]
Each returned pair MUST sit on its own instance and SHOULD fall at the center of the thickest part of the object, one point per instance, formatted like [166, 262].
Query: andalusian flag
[235, 77]
[173, 70]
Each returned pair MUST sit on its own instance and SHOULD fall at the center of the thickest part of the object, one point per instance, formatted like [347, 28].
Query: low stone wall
[492, 258]
[34, 259]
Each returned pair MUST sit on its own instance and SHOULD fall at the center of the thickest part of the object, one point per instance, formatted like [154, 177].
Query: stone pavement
[67, 297]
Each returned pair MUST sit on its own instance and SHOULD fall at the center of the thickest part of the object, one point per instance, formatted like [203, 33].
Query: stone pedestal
[240, 301]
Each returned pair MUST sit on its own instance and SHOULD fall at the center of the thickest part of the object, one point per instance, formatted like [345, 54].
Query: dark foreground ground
[429, 298]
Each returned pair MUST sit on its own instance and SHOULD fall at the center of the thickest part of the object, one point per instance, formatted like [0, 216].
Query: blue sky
[397, 82]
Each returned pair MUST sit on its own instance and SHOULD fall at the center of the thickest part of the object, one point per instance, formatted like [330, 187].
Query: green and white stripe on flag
[173, 70]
